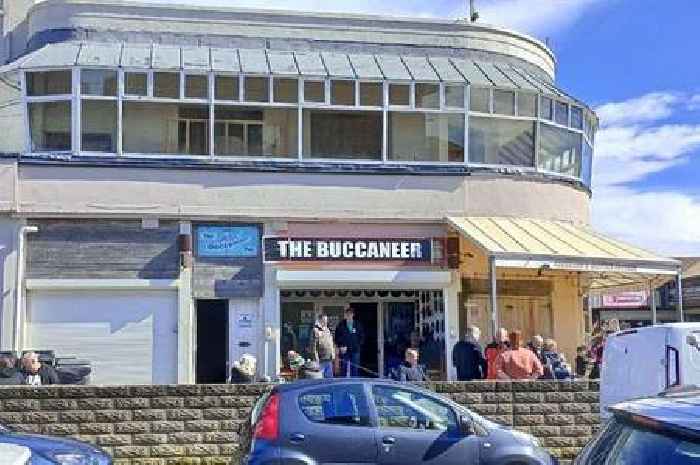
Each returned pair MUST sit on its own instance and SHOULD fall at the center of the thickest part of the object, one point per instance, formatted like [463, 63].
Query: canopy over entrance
[605, 263]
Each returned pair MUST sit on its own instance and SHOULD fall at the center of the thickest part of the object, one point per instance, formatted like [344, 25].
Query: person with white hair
[468, 356]
[243, 370]
[322, 349]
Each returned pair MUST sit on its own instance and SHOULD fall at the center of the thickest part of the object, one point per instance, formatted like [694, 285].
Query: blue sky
[637, 63]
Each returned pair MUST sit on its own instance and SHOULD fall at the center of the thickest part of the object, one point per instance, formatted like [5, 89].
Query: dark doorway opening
[212, 341]
[366, 315]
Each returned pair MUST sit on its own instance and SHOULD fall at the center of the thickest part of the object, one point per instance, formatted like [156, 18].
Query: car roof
[676, 411]
[308, 383]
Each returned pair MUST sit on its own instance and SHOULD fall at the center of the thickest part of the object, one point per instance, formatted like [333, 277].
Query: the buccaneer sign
[284, 249]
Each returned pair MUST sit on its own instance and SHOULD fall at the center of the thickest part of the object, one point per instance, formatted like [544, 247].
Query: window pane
[166, 85]
[434, 137]
[644, 447]
[355, 135]
[314, 91]
[286, 90]
[427, 96]
[165, 128]
[527, 104]
[255, 131]
[257, 89]
[560, 150]
[501, 142]
[226, 87]
[546, 108]
[454, 96]
[587, 164]
[371, 94]
[503, 102]
[479, 99]
[562, 113]
[99, 126]
[576, 118]
[398, 408]
[336, 405]
[50, 126]
[98, 82]
[343, 93]
[49, 83]
[196, 86]
[135, 83]
[399, 94]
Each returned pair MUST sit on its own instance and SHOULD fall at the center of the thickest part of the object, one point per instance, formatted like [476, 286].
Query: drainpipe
[19, 285]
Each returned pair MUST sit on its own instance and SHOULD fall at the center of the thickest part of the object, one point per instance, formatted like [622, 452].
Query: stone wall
[208, 424]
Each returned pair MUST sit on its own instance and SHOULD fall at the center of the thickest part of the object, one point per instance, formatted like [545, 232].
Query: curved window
[430, 137]
[587, 164]
[255, 131]
[495, 141]
[560, 150]
[349, 135]
[50, 126]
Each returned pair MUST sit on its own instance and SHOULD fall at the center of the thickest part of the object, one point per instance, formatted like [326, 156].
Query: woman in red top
[518, 362]
[493, 350]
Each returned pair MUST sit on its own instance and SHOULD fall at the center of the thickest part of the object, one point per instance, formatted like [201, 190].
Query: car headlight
[73, 459]
[526, 438]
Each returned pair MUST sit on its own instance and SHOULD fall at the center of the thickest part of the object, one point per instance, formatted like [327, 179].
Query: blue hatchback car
[48, 450]
[379, 422]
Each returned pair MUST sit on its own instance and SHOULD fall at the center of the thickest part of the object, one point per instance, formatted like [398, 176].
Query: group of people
[507, 357]
[30, 371]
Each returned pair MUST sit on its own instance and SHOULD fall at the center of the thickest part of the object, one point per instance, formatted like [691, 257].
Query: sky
[636, 63]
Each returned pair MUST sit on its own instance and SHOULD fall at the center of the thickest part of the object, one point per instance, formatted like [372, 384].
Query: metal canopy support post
[494, 296]
[589, 316]
[679, 302]
[652, 297]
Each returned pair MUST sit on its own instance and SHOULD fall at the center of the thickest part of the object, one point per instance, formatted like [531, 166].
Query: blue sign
[228, 241]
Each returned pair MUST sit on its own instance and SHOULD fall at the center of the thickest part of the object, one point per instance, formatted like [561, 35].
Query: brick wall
[208, 424]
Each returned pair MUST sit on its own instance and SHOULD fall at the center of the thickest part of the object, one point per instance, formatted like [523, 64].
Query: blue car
[653, 431]
[48, 450]
[379, 422]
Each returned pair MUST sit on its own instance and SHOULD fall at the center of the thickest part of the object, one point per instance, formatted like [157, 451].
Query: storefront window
[50, 126]
[427, 96]
[166, 85]
[226, 88]
[504, 102]
[165, 128]
[480, 99]
[49, 83]
[371, 94]
[399, 95]
[527, 104]
[98, 82]
[98, 126]
[255, 131]
[353, 135]
[560, 150]
[257, 89]
[286, 90]
[433, 137]
[496, 141]
[454, 96]
[314, 91]
[343, 93]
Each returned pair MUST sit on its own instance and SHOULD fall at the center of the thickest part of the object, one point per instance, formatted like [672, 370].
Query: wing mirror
[466, 425]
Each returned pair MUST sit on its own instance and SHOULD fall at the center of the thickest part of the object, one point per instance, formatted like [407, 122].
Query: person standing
[518, 362]
[493, 350]
[36, 373]
[468, 357]
[349, 338]
[536, 345]
[322, 350]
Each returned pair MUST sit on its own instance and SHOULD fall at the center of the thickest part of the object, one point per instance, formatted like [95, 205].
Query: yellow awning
[559, 245]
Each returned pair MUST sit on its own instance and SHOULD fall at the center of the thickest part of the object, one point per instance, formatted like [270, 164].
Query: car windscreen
[629, 444]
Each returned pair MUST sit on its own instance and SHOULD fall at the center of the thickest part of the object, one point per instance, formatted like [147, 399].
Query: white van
[647, 361]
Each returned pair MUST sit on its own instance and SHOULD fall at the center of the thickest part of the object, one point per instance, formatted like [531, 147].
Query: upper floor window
[49, 83]
[98, 82]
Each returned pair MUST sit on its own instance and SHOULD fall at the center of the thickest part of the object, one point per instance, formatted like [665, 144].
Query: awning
[559, 245]
[320, 64]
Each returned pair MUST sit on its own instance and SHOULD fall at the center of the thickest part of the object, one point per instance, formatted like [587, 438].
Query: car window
[642, 447]
[336, 405]
[401, 408]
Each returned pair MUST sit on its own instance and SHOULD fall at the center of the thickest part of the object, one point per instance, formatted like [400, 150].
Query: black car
[379, 422]
[662, 430]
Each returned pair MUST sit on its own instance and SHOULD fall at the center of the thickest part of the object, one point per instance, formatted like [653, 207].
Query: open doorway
[366, 315]
[212, 341]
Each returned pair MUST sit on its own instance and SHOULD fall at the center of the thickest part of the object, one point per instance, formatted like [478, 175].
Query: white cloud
[649, 107]
[694, 103]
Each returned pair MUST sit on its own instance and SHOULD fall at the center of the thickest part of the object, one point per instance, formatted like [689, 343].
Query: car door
[414, 427]
[331, 424]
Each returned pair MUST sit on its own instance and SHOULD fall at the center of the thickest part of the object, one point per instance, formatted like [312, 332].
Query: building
[181, 185]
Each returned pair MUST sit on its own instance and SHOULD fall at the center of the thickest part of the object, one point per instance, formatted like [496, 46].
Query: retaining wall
[208, 424]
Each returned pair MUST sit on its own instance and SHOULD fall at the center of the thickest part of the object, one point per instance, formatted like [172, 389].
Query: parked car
[47, 450]
[643, 362]
[661, 430]
[380, 422]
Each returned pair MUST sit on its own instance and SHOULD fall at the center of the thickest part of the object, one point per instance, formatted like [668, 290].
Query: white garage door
[130, 336]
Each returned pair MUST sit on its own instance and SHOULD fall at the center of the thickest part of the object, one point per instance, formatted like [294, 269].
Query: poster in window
[228, 241]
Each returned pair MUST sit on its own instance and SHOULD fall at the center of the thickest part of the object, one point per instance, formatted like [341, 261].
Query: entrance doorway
[366, 315]
[212, 341]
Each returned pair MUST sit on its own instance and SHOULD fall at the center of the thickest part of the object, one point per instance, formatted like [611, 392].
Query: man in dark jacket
[36, 373]
[468, 357]
[349, 338]
[8, 373]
